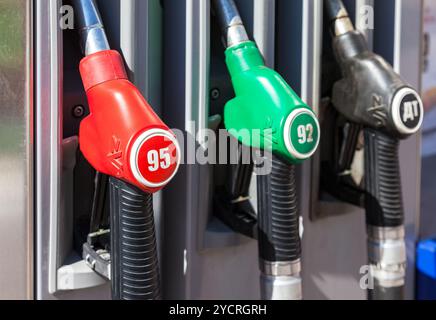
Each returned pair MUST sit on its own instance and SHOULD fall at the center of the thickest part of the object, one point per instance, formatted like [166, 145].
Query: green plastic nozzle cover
[266, 113]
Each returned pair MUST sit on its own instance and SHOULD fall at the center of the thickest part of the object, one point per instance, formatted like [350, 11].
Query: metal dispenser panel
[64, 180]
[173, 53]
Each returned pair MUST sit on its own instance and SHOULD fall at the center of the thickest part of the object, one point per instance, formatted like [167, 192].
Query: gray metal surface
[16, 158]
[47, 142]
[264, 12]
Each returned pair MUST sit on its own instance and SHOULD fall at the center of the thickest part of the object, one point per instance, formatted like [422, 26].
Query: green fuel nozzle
[266, 113]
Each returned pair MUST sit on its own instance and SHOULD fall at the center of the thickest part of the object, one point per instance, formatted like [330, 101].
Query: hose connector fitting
[281, 280]
[387, 256]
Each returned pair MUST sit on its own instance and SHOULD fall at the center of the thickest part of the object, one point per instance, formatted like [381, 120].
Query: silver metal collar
[280, 269]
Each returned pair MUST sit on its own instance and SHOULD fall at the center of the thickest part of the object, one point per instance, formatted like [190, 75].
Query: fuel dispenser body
[169, 63]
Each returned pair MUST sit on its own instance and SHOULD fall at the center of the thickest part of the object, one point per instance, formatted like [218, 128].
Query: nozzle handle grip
[134, 261]
[383, 200]
[278, 219]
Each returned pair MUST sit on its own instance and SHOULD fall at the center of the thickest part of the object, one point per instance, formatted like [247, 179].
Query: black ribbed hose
[383, 200]
[279, 238]
[134, 261]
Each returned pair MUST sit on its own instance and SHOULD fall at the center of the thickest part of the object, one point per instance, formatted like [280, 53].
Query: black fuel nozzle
[370, 92]
[374, 97]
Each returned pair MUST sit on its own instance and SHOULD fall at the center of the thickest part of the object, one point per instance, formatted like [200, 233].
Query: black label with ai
[410, 111]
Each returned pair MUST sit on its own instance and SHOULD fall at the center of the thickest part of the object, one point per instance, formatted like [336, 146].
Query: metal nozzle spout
[230, 21]
[90, 26]
[338, 15]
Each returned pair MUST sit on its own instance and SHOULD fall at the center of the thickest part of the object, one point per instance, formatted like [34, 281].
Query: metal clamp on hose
[281, 280]
[280, 268]
[387, 256]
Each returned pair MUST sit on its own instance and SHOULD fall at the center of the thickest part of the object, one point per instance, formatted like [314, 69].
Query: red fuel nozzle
[123, 137]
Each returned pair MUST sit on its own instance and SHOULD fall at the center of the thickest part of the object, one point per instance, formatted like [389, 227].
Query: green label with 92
[304, 133]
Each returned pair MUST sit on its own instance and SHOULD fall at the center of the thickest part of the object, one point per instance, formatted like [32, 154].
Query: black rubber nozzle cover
[383, 199]
[278, 219]
[134, 262]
